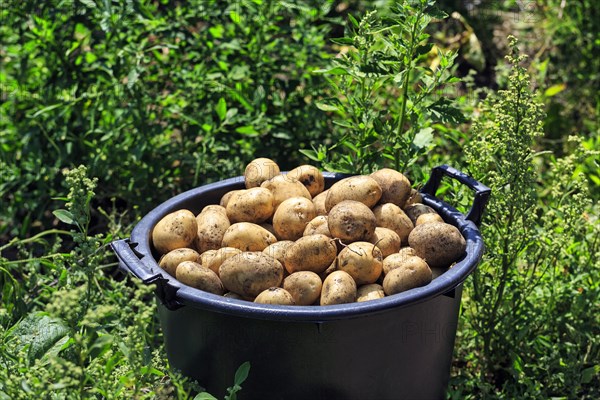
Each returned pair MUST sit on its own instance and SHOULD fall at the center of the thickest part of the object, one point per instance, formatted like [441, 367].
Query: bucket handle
[482, 192]
[130, 261]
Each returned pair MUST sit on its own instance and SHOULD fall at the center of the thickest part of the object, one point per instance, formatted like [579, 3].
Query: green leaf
[325, 107]
[242, 373]
[44, 335]
[332, 71]
[205, 396]
[221, 109]
[353, 20]
[554, 90]
[589, 373]
[247, 130]
[423, 138]
[64, 216]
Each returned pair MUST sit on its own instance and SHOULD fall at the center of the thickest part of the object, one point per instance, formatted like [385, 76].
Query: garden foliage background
[109, 108]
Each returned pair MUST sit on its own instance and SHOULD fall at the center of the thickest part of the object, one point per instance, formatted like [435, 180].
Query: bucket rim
[183, 295]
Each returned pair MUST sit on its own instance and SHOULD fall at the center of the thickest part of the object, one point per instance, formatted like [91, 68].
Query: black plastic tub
[398, 347]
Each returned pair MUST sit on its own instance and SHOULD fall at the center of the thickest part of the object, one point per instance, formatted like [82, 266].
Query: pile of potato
[286, 240]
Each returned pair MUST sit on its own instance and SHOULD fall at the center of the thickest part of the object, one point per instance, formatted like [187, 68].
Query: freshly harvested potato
[215, 207]
[319, 201]
[338, 288]
[175, 230]
[200, 277]
[387, 240]
[392, 217]
[317, 225]
[398, 260]
[395, 187]
[231, 295]
[427, 218]
[415, 210]
[362, 260]
[407, 251]
[247, 236]
[278, 250]
[292, 216]
[226, 197]
[351, 220]
[212, 224]
[415, 197]
[172, 259]
[309, 176]
[372, 291]
[207, 256]
[260, 170]
[217, 258]
[304, 286]
[310, 253]
[361, 188]
[438, 243]
[411, 274]
[284, 187]
[250, 272]
[250, 205]
[275, 295]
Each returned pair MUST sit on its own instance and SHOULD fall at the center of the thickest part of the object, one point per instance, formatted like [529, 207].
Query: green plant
[534, 231]
[385, 93]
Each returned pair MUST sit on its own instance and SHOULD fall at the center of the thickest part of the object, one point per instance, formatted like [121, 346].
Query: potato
[200, 277]
[260, 170]
[362, 260]
[268, 227]
[310, 253]
[358, 188]
[215, 207]
[427, 218]
[214, 260]
[250, 272]
[392, 217]
[438, 243]
[175, 230]
[415, 210]
[275, 295]
[317, 225]
[247, 236]
[250, 205]
[207, 256]
[395, 187]
[172, 259]
[372, 291]
[351, 220]
[411, 274]
[415, 197]
[226, 197]
[338, 288]
[231, 295]
[292, 216]
[278, 249]
[304, 286]
[311, 177]
[212, 224]
[387, 240]
[319, 201]
[397, 260]
[284, 187]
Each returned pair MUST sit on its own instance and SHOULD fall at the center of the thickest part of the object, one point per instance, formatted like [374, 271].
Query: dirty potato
[311, 177]
[351, 221]
[250, 205]
[413, 273]
[212, 224]
[172, 259]
[275, 295]
[319, 201]
[338, 288]
[395, 187]
[200, 277]
[310, 253]
[175, 230]
[304, 286]
[217, 257]
[247, 236]
[249, 273]
[438, 243]
[260, 170]
[362, 260]
[292, 216]
[387, 240]
[360, 188]
[391, 216]
[372, 291]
